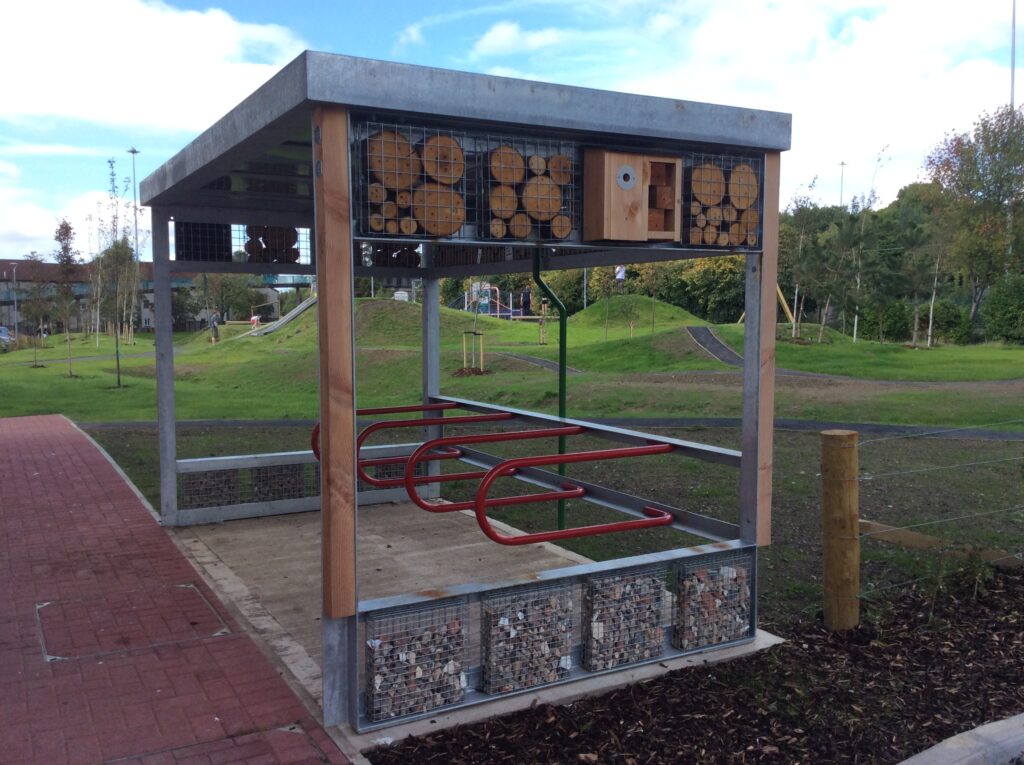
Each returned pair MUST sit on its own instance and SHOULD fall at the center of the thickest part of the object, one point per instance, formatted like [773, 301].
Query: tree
[184, 306]
[982, 173]
[37, 307]
[65, 302]
[1004, 310]
[715, 287]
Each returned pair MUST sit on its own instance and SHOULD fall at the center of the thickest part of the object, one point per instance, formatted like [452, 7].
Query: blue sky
[873, 84]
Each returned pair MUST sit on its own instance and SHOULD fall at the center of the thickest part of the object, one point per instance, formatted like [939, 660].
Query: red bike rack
[411, 480]
[656, 517]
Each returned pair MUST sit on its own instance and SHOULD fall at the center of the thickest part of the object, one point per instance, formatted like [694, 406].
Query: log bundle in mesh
[722, 203]
[525, 194]
[425, 187]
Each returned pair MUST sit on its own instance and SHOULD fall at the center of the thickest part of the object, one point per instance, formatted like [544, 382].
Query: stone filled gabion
[527, 639]
[275, 482]
[713, 603]
[415, 661]
[622, 619]
[209, 488]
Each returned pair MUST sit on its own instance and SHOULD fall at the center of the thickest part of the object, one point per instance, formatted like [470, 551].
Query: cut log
[498, 228]
[736, 234]
[537, 164]
[519, 225]
[696, 235]
[723, 238]
[655, 220]
[389, 210]
[708, 184]
[280, 237]
[393, 159]
[710, 234]
[714, 215]
[507, 165]
[404, 199]
[255, 232]
[743, 186]
[254, 247]
[408, 225]
[561, 226]
[729, 214]
[560, 169]
[750, 220]
[695, 209]
[438, 208]
[376, 221]
[503, 201]
[443, 159]
[700, 221]
[391, 226]
[376, 193]
[751, 240]
[542, 198]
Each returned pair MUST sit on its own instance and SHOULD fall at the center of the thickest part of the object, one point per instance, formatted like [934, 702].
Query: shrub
[1003, 310]
[952, 322]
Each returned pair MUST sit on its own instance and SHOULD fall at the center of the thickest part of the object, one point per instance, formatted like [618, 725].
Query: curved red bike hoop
[411, 480]
[315, 435]
[655, 517]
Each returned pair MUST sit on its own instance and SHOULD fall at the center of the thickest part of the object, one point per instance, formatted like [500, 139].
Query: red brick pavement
[112, 648]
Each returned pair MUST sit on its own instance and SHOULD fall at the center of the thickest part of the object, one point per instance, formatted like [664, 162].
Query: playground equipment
[446, 174]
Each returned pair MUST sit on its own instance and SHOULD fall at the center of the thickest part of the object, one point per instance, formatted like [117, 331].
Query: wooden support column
[759, 370]
[840, 499]
[331, 196]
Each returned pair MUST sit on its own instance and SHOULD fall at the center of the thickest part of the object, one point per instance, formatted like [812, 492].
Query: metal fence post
[840, 527]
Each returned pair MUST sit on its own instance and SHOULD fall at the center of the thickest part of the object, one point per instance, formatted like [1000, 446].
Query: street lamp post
[135, 199]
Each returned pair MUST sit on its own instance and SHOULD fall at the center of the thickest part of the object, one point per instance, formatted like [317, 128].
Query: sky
[874, 85]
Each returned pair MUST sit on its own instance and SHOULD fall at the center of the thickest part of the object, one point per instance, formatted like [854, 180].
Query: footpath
[112, 648]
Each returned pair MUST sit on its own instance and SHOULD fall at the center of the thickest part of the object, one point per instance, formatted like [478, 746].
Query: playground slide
[288, 318]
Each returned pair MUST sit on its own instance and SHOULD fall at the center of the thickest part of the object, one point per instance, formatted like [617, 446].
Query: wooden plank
[915, 540]
[331, 194]
[766, 388]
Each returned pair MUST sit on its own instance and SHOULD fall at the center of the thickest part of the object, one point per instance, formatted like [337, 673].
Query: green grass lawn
[659, 374]
[871, 360]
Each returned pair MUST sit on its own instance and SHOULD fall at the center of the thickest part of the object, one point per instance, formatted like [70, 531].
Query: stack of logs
[713, 606]
[622, 619]
[527, 639]
[723, 210]
[415, 187]
[415, 666]
[523, 191]
[271, 244]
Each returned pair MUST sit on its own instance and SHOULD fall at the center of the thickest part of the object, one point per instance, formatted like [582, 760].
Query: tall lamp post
[135, 211]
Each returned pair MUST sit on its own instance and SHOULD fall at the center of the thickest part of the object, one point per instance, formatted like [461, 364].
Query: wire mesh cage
[713, 600]
[427, 182]
[622, 617]
[415, 660]
[722, 201]
[527, 637]
[237, 243]
[235, 486]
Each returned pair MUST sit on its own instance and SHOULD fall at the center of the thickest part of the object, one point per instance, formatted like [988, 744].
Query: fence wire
[937, 432]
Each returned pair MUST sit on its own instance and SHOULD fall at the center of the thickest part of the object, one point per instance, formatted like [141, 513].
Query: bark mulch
[929, 665]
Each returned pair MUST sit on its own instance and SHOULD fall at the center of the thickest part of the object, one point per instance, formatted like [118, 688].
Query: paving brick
[163, 690]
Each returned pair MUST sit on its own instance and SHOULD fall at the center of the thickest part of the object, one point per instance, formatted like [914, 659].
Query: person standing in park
[214, 332]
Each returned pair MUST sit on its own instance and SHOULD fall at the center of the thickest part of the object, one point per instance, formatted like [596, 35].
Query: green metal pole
[563, 327]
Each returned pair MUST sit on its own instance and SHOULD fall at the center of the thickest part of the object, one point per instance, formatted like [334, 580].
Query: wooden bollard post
[840, 524]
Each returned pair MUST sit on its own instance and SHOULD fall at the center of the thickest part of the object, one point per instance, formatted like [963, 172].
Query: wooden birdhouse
[630, 197]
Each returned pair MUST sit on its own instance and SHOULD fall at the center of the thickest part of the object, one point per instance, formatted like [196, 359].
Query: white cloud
[133, 63]
[411, 35]
[507, 37]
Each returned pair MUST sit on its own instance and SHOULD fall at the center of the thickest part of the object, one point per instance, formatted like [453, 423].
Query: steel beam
[165, 405]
